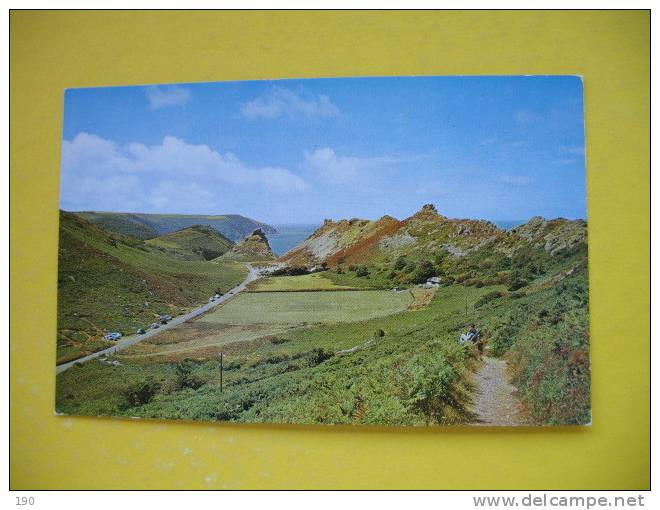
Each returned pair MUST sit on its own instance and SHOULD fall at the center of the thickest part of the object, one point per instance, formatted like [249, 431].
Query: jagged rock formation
[358, 241]
[253, 248]
[554, 235]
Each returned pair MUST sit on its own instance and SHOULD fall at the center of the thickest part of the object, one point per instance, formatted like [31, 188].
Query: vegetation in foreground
[402, 369]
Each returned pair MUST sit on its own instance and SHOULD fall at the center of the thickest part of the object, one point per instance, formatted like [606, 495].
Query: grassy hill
[147, 226]
[198, 242]
[108, 281]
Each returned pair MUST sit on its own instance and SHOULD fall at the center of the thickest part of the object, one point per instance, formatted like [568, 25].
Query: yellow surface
[54, 50]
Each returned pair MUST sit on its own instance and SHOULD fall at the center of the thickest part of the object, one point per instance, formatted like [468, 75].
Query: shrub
[379, 333]
[486, 298]
[277, 358]
[517, 281]
[362, 271]
[318, 356]
[140, 393]
[184, 376]
[429, 385]
[423, 271]
[277, 340]
[290, 271]
[400, 263]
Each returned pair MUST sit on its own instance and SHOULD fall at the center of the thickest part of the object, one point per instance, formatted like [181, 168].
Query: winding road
[253, 274]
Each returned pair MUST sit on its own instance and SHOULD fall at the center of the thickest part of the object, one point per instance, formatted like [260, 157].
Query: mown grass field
[308, 307]
[314, 281]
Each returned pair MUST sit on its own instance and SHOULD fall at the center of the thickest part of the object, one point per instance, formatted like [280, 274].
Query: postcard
[400, 251]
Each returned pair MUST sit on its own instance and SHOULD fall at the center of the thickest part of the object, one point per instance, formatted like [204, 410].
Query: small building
[434, 281]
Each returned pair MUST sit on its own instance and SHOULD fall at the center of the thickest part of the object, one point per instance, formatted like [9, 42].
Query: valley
[344, 328]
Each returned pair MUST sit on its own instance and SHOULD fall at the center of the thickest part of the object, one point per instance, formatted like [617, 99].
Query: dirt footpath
[495, 402]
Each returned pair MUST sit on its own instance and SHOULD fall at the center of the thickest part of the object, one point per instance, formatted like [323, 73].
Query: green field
[314, 281]
[309, 307]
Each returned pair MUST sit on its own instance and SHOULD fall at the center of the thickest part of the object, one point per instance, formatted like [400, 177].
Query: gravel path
[495, 401]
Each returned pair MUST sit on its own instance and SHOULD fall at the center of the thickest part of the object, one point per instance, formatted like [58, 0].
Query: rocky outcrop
[553, 236]
[254, 247]
[358, 241]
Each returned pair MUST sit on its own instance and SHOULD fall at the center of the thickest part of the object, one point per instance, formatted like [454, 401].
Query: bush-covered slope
[390, 252]
[112, 282]
[146, 226]
[195, 243]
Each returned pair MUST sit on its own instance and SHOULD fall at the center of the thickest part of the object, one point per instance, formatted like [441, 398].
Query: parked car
[113, 335]
[141, 331]
[155, 325]
[164, 319]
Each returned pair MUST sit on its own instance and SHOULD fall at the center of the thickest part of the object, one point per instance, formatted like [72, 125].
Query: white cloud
[173, 176]
[516, 180]
[332, 168]
[164, 97]
[281, 102]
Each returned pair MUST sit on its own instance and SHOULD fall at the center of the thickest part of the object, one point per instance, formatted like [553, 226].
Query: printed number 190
[23, 501]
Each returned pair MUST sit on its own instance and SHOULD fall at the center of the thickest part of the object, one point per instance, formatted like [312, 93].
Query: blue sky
[299, 151]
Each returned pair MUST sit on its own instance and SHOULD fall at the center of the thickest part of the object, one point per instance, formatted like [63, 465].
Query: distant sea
[508, 224]
[290, 236]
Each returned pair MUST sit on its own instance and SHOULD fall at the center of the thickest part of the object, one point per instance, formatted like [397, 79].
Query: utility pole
[221, 367]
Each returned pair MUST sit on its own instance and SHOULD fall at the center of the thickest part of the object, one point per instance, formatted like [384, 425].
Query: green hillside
[198, 242]
[146, 226]
[306, 348]
[113, 282]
